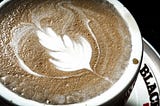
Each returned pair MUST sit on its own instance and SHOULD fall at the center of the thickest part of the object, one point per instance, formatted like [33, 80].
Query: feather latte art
[62, 51]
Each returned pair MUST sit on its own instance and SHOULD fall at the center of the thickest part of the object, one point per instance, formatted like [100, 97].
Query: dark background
[147, 15]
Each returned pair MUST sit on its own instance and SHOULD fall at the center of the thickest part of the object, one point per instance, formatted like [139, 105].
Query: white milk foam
[67, 55]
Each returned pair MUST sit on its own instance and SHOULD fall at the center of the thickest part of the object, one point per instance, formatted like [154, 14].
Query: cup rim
[127, 77]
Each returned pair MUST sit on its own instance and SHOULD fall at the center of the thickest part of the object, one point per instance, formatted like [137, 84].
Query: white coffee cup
[120, 91]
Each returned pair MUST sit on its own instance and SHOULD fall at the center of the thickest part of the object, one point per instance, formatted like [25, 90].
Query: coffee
[62, 52]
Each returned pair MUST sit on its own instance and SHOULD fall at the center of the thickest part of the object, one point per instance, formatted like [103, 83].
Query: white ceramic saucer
[146, 91]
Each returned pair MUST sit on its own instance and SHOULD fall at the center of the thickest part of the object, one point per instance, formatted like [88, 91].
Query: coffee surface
[61, 51]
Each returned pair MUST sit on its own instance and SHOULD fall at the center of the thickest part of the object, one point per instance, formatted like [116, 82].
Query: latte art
[66, 54]
[62, 52]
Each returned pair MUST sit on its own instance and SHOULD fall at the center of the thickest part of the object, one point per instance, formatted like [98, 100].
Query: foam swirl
[18, 34]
